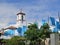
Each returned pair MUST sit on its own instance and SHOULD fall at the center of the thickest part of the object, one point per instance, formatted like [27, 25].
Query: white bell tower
[20, 18]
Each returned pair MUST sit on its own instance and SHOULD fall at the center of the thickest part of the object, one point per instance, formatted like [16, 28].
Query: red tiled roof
[11, 27]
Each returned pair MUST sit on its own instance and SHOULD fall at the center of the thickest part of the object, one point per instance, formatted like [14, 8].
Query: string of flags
[22, 29]
[55, 23]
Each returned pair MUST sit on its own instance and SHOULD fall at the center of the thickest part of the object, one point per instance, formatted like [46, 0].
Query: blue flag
[52, 21]
[57, 25]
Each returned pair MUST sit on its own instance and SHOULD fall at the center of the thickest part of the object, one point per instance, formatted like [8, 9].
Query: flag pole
[58, 17]
[48, 20]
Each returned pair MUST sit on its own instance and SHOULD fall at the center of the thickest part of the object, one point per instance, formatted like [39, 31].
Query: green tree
[45, 31]
[16, 40]
[32, 33]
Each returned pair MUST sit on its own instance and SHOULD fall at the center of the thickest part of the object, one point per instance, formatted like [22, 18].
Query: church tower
[20, 18]
[21, 22]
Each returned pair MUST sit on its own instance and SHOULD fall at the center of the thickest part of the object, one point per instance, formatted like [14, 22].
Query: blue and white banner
[52, 21]
[57, 25]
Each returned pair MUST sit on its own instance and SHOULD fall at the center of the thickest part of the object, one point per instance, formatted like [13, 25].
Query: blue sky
[34, 9]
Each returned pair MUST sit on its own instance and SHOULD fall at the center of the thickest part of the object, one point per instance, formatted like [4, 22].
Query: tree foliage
[32, 32]
[16, 40]
[45, 31]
